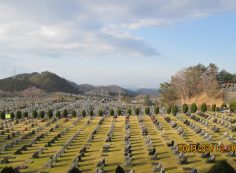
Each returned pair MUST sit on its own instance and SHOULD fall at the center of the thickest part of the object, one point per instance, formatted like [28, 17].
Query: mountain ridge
[50, 82]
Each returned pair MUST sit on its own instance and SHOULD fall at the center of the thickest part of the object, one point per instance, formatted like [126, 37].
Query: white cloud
[36, 29]
[102, 28]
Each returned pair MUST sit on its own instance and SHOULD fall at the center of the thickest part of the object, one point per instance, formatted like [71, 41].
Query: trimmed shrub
[156, 111]
[193, 108]
[34, 114]
[204, 107]
[100, 113]
[65, 113]
[83, 113]
[147, 111]
[42, 114]
[112, 112]
[185, 108]
[119, 112]
[137, 111]
[168, 110]
[175, 110]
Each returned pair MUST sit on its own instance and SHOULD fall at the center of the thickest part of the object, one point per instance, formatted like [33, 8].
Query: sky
[134, 44]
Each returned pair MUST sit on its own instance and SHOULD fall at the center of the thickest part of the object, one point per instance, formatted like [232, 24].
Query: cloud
[56, 28]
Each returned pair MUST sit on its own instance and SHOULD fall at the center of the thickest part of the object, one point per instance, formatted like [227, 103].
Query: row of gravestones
[173, 147]
[19, 139]
[57, 155]
[210, 158]
[151, 149]
[79, 158]
[217, 129]
[127, 147]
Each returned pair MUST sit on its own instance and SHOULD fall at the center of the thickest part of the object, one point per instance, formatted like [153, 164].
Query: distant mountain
[147, 91]
[112, 90]
[36, 83]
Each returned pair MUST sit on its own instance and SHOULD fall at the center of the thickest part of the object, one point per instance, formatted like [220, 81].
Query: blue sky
[133, 44]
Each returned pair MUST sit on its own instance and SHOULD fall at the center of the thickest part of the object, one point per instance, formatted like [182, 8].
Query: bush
[50, 114]
[232, 106]
[42, 114]
[73, 113]
[221, 167]
[34, 114]
[213, 107]
[91, 113]
[83, 113]
[119, 169]
[58, 114]
[137, 111]
[74, 170]
[100, 113]
[175, 110]
[193, 108]
[129, 111]
[168, 110]
[12, 115]
[25, 114]
[204, 107]
[9, 170]
[119, 112]
[185, 108]
[147, 111]
[156, 111]
[18, 115]
[65, 113]
[2, 115]
[112, 112]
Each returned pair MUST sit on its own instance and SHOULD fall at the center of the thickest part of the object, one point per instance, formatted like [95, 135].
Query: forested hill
[50, 82]
[46, 81]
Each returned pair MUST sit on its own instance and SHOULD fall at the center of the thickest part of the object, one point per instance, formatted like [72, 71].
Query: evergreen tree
[156, 110]
[35, 114]
[50, 114]
[204, 107]
[42, 114]
[83, 113]
[18, 115]
[112, 112]
[58, 114]
[137, 111]
[193, 108]
[168, 110]
[65, 113]
[119, 112]
[91, 113]
[147, 111]
[100, 113]
[73, 113]
[175, 110]
[185, 108]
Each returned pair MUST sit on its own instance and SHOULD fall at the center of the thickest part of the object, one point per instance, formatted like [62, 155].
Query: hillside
[33, 84]
[45, 81]
[204, 98]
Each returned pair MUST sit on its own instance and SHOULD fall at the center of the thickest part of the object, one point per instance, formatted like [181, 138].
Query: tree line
[192, 81]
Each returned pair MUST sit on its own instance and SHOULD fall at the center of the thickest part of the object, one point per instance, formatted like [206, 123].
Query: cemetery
[103, 143]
